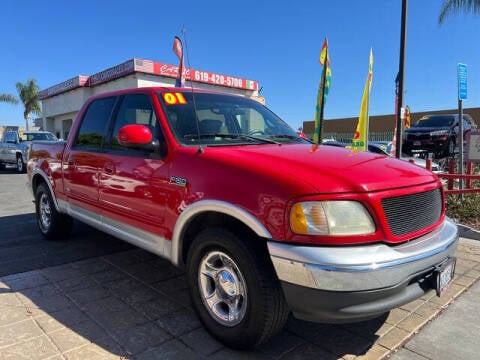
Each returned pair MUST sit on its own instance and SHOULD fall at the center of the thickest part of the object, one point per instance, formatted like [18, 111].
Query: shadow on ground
[135, 305]
[22, 248]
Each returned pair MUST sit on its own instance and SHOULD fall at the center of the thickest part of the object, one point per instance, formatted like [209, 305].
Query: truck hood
[321, 169]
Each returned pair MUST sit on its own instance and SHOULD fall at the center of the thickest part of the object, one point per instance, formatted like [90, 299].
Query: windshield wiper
[287, 136]
[230, 136]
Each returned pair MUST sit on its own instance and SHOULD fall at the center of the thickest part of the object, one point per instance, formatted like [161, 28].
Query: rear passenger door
[131, 191]
[86, 157]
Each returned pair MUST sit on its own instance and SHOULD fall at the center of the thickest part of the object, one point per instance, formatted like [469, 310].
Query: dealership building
[61, 102]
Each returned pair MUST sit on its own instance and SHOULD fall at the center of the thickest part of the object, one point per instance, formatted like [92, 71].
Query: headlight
[331, 218]
[439, 133]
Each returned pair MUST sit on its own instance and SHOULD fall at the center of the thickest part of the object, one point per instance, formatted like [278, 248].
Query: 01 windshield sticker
[174, 98]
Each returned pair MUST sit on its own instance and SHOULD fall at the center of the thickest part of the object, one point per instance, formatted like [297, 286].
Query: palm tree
[28, 94]
[8, 99]
[455, 6]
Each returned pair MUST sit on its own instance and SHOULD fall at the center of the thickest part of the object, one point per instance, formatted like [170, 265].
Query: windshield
[435, 121]
[38, 136]
[223, 120]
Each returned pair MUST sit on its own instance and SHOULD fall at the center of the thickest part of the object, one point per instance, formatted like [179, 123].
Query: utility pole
[401, 73]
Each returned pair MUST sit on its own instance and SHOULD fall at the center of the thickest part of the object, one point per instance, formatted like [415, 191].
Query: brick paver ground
[134, 305]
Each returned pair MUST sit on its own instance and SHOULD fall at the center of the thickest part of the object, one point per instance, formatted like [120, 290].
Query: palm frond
[455, 6]
[8, 98]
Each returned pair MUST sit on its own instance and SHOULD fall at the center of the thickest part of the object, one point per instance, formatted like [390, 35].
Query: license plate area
[444, 275]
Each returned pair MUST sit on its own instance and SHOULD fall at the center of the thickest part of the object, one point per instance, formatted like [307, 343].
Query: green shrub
[464, 211]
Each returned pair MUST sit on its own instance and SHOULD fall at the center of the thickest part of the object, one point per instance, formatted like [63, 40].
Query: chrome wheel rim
[45, 212]
[222, 288]
[19, 164]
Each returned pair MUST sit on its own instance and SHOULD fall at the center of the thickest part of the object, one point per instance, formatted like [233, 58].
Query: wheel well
[36, 180]
[211, 219]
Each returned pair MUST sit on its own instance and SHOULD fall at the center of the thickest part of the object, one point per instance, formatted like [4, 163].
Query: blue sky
[276, 43]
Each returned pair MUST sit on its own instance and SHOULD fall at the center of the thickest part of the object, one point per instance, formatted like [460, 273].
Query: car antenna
[197, 122]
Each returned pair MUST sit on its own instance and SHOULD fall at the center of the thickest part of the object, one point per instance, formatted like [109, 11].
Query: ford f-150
[263, 222]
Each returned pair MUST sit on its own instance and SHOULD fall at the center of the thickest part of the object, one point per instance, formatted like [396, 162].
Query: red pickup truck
[264, 222]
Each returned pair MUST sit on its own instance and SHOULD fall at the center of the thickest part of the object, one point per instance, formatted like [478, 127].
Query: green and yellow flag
[406, 124]
[323, 89]
[361, 134]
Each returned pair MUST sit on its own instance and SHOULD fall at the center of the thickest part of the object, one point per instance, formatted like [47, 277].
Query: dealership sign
[473, 147]
[149, 67]
[70, 84]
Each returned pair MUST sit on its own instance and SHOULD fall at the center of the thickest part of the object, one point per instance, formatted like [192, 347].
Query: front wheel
[450, 147]
[234, 288]
[52, 224]
[21, 168]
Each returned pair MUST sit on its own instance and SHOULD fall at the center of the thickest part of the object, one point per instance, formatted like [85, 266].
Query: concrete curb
[468, 232]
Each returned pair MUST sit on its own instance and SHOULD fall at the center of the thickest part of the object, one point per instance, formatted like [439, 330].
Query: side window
[135, 109]
[91, 134]
[11, 136]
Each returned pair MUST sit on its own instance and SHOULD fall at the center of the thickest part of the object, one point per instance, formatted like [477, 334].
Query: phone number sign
[205, 77]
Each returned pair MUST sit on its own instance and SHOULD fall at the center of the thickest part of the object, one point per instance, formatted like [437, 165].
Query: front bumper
[434, 146]
[344, 284]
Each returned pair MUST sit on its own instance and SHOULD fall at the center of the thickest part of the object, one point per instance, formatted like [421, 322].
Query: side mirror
[137, 137]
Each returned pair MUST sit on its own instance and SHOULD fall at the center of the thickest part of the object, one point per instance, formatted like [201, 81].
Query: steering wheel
[256, 131]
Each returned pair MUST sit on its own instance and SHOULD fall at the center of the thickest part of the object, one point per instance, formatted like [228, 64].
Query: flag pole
[401, 73]
[324, 77]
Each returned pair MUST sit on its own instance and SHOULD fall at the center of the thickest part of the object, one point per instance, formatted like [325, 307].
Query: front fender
[211, 206]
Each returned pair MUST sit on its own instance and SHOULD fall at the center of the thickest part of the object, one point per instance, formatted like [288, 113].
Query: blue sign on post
[462, 75]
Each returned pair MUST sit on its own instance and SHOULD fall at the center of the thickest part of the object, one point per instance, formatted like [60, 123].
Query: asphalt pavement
[96, 297]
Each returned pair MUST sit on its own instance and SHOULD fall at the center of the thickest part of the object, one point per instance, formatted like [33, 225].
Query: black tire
[21, 167]
[2, 166]
[52, 224]
[237, 268]
[450, 150]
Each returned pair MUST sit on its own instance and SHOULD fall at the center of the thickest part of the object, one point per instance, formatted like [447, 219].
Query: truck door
[85, 156]
[129, 193]
[9, 147]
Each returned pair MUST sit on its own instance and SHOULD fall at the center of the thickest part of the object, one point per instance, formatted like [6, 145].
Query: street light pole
[401, 72]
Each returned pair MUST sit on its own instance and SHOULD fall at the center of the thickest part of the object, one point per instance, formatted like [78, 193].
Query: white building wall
[65, 103]
[126, 82]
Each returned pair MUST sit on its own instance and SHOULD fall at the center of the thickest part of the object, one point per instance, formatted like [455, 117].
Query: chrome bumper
[360, 268]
